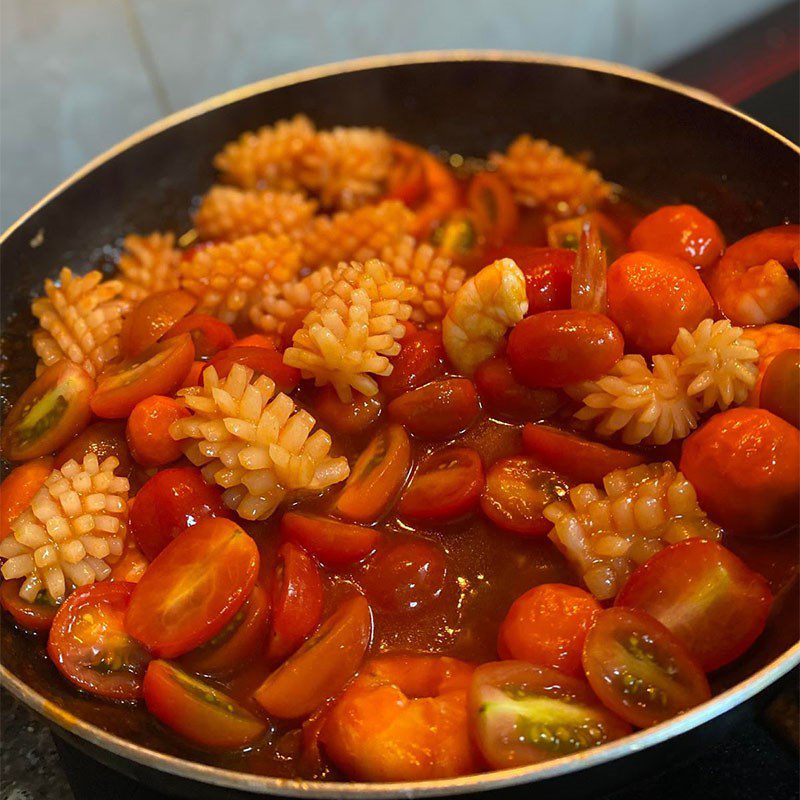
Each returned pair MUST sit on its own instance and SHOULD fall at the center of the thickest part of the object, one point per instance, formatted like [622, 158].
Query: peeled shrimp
[750, 282]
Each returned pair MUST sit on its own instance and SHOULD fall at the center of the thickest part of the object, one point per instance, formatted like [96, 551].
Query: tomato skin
[262, 361]
[37, 616]
[152, 318]
[297, 600]
[420, 361]
[517, 490]
[103, 438]
[492, 200]
[547, 626]
[158, 370]
[681, 231]
[525, 714]
[53, 409]
[18, 489]
[708, 597]
[651, 296]
[406, 179]
[171, 501]
[88, 631]
[504, 396]
[131, 565]
[442, 194]
[639, 669]
[291, 326]
[197, 711]
[744, 464]
[193, 588]
[209, 334]
[332, 542]
[568, 454]
[348, 418]
[147, 431]
[556, 348]
[780, 387]
[447, 485]
[438, 410]
[322, 666]
[257, 340]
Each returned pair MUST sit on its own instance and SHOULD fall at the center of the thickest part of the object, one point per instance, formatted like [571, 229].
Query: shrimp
[770, 341]
[404, 718]
[750, 282]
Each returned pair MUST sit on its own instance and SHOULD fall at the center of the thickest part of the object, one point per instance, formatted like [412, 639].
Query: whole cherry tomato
[438, 410]
[262, 361]
[152, 318]
[780, 388]
[148, 431]
[331, 541]
[36, 616]
[492, 201]
[420, 360]
[348, 418]
[209, 334]
[103, 438]
[18, 489]
[258, 340]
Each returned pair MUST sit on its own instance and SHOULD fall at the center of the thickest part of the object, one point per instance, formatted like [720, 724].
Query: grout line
[147, 59]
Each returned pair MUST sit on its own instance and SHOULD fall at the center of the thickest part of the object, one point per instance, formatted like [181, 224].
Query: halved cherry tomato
[49, 413]
[442, 194]
[517, 490]
[171, 501]
[438, 410]
[152, 318]
[333, 542]
[492, 200]
[104, 438]
[577, 458]
[297, 597]
[148, 431]
[193, 376]
[257, 340]
[556, 348]
[348, 418]
[376, 477]
[158, 370]
[547, 626]
[241, 640]
[291, 326]
[36, 616]
[420, 360]
[448, 484]
[322, 666]
[458, 236]
[132, 564]
[504, 396]
[209, 334]
[406, 180]
[18, 489]
[567, 233]
[405, 575]
[708, 597]
[639, 669]
[89, 645]
[262, 361]
[193, 588]
[196, 710]
[780, 388]
[525, 714]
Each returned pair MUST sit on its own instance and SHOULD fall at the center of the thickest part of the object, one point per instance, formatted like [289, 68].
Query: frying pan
[660, 140]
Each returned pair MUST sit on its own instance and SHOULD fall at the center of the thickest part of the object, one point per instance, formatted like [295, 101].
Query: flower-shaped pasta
[148, 264]
[483, 309]
[75, 521]
[279, 301]
[255, 444]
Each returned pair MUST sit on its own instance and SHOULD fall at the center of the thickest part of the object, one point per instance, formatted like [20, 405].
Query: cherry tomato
[771, 340]
[556, 348]
[517, 490]
[193, 588]
[708, 597]
[651, 296]
[438, 410]
[458, 236]
[780, 388]
[639, 669]
[262, 361]
[152, 318]
[241, 640]
[681, 231]
[567, 233]
[104, 438]
[442, 195]
[257, 340]
[376, 477]
[49, 413]
[568, 454]
[196, 710]
[420, 361]
[18, 489]
[36, 616]
[406, 575]
[158, 370]
[89, 645]
[322, 666]
[297, 599]
[171, 501]
[209, 334]
[333, 542]
[547, 625]
[406, 180]
[447, 485]
[131, 565]
[505, 397]
[193, 376]
[524, 714]
[492, 200]
[745, 467]
[148, 431]
[291, 326]
[347, 418]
